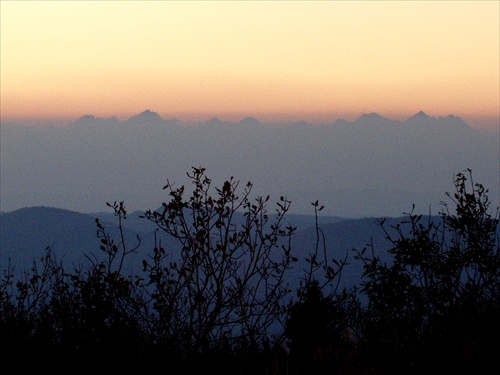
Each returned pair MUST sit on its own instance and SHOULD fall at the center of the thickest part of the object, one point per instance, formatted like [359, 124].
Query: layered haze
[373, 166]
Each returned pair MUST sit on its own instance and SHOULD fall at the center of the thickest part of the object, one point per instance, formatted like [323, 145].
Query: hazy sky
[275, 60]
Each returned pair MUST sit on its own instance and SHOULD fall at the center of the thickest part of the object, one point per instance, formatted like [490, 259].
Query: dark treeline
[220, 301]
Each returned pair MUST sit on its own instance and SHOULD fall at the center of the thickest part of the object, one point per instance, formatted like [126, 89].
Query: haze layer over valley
[373, 166]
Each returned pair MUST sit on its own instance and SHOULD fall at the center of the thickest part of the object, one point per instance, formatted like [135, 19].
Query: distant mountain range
[373, 166]
[149, 117]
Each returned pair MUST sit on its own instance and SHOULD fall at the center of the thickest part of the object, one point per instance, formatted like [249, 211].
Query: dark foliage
[435, 308]
[219, 301]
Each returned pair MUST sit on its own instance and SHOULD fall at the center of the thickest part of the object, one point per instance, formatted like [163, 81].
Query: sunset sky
[274, 60]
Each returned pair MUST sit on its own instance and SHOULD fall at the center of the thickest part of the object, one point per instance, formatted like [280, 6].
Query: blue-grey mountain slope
[26, 234]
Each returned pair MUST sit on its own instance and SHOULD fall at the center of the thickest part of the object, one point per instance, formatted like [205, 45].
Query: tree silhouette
[227, 285]
[433, 307]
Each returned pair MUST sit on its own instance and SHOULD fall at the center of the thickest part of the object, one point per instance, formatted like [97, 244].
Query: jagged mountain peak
[450, 121]
[147, 116]
[249, 121]
[89, 120]
[420, 117]
[371, 115]
[421, 114]
[215, 122]
[372, 119]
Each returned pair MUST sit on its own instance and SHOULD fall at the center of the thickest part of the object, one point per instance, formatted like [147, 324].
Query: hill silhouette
[25, 235]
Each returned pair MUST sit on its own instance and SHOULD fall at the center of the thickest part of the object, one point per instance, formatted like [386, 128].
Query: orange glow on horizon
[275, 61]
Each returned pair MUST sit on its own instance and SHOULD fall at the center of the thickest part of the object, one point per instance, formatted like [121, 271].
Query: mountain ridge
[354, 168]
[28, 233]
[148, 117]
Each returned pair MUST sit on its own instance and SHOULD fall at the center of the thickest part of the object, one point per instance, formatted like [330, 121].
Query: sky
[314, 61]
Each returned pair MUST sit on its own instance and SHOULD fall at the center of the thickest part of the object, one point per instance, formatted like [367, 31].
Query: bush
[433, 308]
